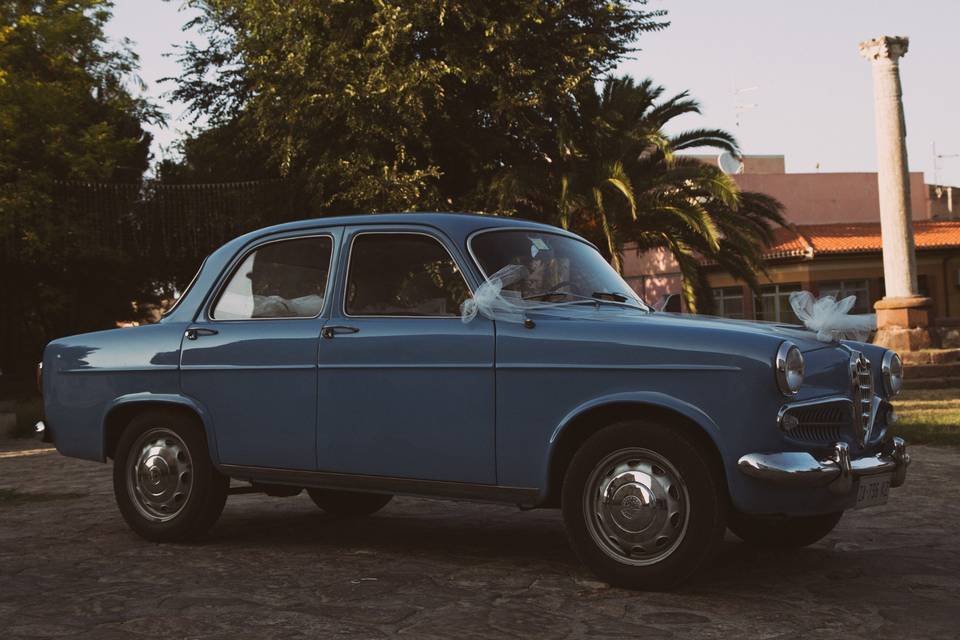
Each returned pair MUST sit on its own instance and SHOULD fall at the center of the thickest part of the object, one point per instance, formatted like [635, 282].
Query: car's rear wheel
[643, 506]
[348, 504]
[164, 482]
[783, 532]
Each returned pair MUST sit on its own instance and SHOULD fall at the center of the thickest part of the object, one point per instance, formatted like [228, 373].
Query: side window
[285, 279]
[402, 274]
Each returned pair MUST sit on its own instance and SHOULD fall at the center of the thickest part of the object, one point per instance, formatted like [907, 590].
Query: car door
[250, 357]
[406, 388]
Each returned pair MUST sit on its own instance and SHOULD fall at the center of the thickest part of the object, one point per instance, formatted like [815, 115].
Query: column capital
[884, 47]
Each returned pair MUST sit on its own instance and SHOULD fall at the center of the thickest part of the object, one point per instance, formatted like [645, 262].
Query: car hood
[805, 339]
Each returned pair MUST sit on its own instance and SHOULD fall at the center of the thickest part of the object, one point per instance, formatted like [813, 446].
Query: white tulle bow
[488, 300]
[830, 318]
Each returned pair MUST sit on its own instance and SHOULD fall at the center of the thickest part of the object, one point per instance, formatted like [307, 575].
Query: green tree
[67, 113]
[405, 104]
[613, 174]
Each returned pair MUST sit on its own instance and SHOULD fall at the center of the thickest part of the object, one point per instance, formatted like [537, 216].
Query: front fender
[146, 399]
[648, 398]
[635, 403]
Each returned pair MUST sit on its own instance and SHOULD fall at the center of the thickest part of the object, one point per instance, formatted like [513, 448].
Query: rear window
[284, 279]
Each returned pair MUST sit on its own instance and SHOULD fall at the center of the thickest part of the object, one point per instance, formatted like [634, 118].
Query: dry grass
[928, 416]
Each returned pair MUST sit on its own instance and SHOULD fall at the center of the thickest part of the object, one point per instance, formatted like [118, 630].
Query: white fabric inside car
[278, 307]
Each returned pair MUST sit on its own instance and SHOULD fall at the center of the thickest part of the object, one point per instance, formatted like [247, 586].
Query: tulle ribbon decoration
[489, 301]
[492, 301]
[830, 318]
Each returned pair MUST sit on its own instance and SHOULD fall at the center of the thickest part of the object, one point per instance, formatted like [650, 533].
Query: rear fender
[159, 400]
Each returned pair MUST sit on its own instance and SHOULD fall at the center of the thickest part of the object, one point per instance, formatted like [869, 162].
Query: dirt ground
[278, 567]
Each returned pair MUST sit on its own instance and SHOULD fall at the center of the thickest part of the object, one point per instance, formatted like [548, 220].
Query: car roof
[456, 226]
[456, 223]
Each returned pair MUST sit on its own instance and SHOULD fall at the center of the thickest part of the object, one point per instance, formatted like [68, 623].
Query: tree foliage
[614, 175]
[446, 104]
[67, 113]
[380, 105]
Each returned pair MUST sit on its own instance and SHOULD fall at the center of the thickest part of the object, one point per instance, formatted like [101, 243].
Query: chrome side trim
[618, 367]
[523, 496]
[837, 471]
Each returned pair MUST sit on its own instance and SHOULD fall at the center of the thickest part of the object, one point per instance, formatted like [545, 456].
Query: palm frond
[711, 138]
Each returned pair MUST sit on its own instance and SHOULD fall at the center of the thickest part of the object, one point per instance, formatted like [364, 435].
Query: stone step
[930, 356]
[932, 383]
[926, 371]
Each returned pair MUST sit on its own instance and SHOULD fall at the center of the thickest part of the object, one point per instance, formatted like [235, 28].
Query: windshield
[557, 268]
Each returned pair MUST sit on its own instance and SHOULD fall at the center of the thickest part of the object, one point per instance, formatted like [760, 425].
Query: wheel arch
[123, 409]
[591, 416]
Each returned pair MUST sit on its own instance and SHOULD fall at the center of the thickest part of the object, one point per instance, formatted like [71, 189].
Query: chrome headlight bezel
[788, 366]
[892, 369]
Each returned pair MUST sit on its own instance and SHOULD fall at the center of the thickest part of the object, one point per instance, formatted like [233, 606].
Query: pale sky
[806, 92]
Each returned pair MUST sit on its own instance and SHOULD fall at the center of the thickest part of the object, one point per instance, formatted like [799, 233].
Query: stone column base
[903, 324]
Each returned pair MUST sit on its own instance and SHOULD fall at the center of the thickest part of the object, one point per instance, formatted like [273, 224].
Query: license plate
[872, 491]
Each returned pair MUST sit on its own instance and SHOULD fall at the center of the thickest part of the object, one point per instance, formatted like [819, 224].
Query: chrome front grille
[862, 383]
[821, 421]
[817, 434]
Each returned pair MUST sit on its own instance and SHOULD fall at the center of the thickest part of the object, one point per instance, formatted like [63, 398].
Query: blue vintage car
[338, 355]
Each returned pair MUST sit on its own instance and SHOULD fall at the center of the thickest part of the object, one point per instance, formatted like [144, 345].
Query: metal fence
[176, 222]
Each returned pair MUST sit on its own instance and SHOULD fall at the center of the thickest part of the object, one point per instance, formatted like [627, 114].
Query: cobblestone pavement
[278, 567]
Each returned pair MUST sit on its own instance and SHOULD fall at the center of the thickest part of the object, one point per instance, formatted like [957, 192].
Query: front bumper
[836, 471]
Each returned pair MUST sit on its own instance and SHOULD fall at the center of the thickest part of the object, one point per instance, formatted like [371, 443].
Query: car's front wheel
[163, 479]
[643, 505]
[348, 504]
[784, 532]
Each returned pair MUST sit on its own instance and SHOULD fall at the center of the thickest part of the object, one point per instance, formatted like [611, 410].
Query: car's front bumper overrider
[837, 471]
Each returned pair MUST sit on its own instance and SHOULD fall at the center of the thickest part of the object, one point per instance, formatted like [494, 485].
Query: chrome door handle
[194, 333]
[329, 332]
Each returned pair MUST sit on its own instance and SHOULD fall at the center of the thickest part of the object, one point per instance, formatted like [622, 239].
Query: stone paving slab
[280, 568]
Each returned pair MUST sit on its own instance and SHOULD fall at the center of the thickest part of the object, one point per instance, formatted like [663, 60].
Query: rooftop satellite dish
[729, 163]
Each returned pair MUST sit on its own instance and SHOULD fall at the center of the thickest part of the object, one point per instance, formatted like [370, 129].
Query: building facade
[832, 246]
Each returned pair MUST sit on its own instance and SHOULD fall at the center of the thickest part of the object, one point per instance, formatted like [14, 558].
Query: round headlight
[892, 368]
[789, 367]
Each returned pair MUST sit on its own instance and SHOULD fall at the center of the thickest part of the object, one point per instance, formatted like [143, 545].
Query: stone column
[903, 316]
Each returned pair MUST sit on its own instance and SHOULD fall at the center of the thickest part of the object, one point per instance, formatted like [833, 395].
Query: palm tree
[613, 175]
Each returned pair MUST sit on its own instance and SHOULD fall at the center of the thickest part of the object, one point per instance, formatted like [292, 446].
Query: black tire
[348, 504]
[201, 504]
[693, 539]
[783, 532]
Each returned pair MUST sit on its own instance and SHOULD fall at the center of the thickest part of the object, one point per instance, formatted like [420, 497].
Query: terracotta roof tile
[787, 243]
[861, 237]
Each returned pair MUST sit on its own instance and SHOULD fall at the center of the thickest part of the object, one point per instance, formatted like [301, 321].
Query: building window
[728, 302]
[773, 303]
[840, 289]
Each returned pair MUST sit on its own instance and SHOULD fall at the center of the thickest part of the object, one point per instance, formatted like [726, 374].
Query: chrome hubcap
[160, 475]
[636, 506]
